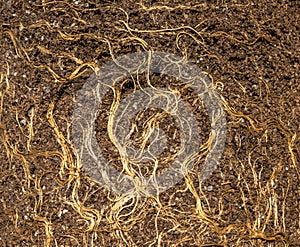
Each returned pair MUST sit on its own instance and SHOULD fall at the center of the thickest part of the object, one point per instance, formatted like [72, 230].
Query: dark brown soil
[250, 49]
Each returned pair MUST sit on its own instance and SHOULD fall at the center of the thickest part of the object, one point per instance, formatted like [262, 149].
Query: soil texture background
[249, 50]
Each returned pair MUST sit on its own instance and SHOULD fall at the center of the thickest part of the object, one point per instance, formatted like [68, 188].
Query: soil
[249, 49]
